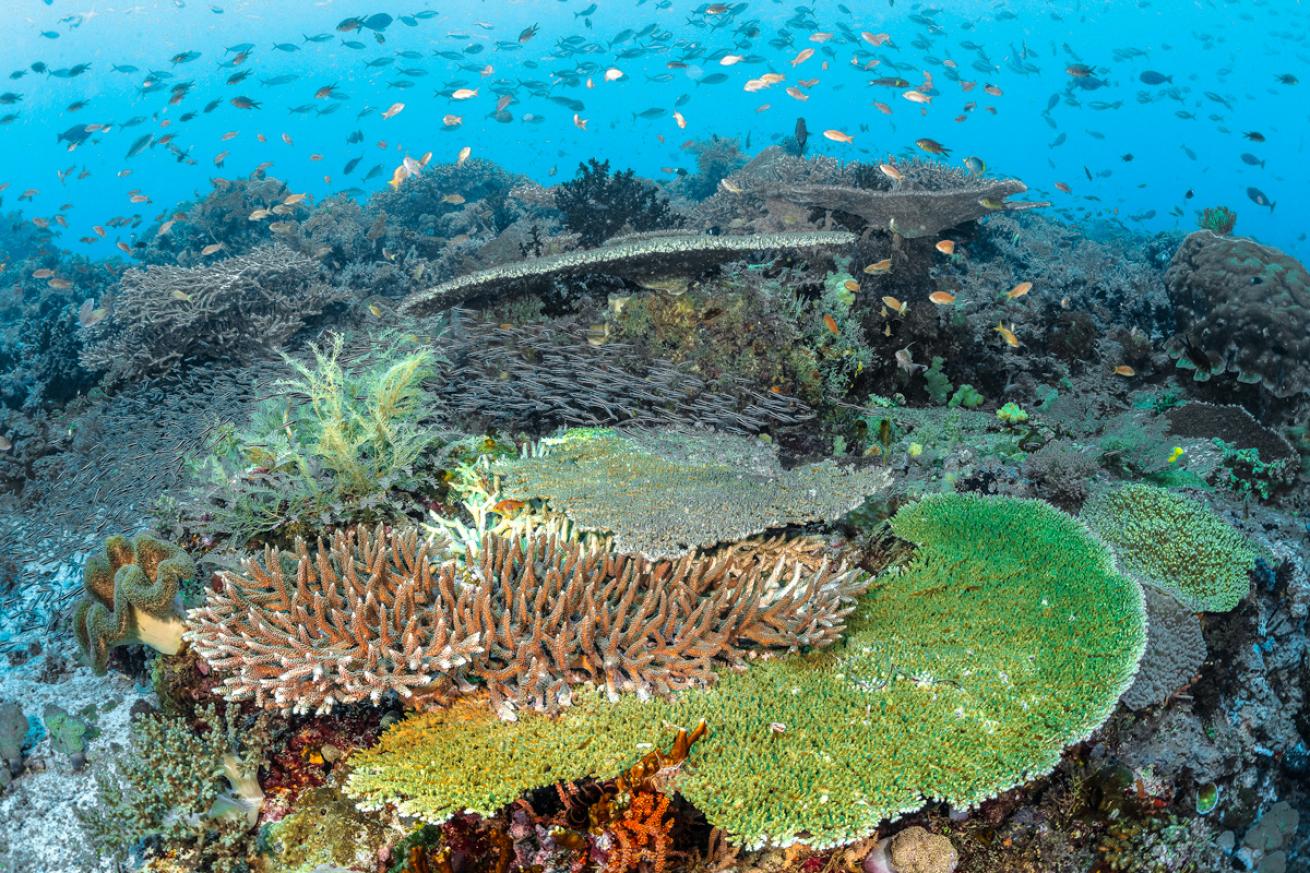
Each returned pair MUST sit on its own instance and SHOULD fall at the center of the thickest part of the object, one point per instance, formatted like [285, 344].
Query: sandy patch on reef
[38, 831]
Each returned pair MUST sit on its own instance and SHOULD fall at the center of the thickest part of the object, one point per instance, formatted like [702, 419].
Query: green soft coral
[966, 672]
[129, 594]
[1175, 543]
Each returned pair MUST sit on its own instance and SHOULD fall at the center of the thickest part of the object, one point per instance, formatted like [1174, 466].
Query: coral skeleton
[639, 258]
[529, 618]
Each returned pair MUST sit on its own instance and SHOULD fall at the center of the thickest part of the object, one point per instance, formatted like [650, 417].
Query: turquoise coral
[129, 594]
[966, 672]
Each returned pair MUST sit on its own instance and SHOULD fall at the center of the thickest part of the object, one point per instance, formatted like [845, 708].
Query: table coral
[1174, 543]
[129, 593]
[1243, 309]
[640, 257]
[1175, 651]
[665, 494]
[1006, 637]
[527, 618]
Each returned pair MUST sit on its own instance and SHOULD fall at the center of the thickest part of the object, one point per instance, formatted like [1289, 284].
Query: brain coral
[1006, 637]
[667, 493]
[128, 596]
[1241, 308]
[1174, 543]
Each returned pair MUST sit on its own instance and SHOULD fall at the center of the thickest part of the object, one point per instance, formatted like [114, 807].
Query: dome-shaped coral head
[129, 594]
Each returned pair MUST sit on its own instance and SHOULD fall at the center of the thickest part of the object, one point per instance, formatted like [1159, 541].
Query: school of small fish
[698, 57]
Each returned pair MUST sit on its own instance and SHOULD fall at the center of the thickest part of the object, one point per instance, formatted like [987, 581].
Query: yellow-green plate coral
[1005, 638]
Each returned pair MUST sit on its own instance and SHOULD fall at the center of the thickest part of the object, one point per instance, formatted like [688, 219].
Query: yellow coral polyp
[966, 672]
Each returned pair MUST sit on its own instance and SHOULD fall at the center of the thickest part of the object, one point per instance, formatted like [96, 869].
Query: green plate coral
[1006, 637]
[1174, 543]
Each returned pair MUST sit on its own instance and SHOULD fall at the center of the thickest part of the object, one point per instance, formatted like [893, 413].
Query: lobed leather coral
[165, 317]
[1174, 543]
[678, 254]
[663, 494]
[526, 618]
[129, 591]
[1242, 309]
[1007, 636]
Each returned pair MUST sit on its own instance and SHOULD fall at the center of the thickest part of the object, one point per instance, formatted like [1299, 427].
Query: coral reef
[373, 615]
[1175, 543]
[598, 204]
[221, 216]
[1241, 309]
[129, 595]
[642, 257]
[665, 493]
[534, 378]
[913, 850]
[1024, 605]
[166, 317]
[1175, 651]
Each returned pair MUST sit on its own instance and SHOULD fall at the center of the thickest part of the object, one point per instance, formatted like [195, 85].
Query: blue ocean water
[1144, 111]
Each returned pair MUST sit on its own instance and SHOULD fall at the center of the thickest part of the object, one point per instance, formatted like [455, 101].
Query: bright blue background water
[1233, 50]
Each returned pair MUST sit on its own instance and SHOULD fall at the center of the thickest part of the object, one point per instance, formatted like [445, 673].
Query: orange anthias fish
[1124, 370]
[1007, 334]
[879, 268]
[1019, 290]
[946, 246]
[897, 306]
[831, 323]
[838, 136]
[942, 298]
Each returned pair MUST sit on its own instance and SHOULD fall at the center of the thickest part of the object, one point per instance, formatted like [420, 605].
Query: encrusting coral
[129, 594]
[1175, 543]
[1175, 651]
[528, 619]
[663, 494]
[641, 257]
[1241, 308]
[163, 317]
[1007, 636]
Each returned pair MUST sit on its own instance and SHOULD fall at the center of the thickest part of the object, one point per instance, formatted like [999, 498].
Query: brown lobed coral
[368, 614]
[1241, 308]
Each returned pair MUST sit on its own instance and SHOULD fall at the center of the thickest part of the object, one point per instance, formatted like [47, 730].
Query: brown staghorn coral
[527, 618]
[349, 622]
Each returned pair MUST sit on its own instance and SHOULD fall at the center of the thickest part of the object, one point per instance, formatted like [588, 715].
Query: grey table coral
[668, 493]
[644, 257]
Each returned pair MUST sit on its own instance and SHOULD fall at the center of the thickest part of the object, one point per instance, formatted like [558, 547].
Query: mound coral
[529, 620]
[638, 258]
[663, 494]
[1175, 651]
[1242, 309]
[1174, 543]
[129, 595]
[598, 204]
[165, 317]
[1006, 637]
